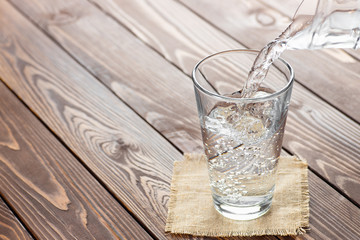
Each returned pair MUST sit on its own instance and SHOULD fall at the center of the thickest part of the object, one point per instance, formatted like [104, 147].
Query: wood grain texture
[125, 64]
[255, 24]
[10, 227]
[313, 129]
[338, 219]
[55, 196]
[331, 215]
[131, 158]
[149, 104]
[128, 155]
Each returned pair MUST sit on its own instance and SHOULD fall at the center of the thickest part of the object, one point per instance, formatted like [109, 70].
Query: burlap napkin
[191, 209]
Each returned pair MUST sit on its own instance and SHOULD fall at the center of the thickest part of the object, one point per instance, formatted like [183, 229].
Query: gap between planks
[181, 70]
[68, 148]
[175, 65]
[26, 232]
[142, 224]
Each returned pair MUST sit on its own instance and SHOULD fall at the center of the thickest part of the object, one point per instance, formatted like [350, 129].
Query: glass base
[243, 212]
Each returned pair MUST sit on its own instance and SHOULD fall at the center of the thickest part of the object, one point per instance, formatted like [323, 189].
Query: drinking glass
[242, 137]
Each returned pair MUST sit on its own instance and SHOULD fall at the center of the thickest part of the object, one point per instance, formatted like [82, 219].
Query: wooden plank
[10, 227]
[286, 8]
[313, 127]
[331, 215]
[55, 196]
[131, 158]
[115, 142]
[155, 111]
[123, 65]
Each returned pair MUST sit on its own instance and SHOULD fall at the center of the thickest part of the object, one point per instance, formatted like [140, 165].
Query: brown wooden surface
[10, 226]
[98, 127]
[331, 215]
[129, 157]
[54, 195]
[117, 94]
[308, 118]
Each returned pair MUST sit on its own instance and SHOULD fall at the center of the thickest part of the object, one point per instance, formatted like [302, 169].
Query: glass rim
[263, 98]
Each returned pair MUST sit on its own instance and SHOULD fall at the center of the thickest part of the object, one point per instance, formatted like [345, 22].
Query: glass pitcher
[325, 24]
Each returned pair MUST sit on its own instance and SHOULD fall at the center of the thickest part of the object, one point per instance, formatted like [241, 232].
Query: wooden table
[96, 103]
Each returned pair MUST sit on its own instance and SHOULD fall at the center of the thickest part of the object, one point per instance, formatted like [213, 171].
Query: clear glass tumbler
[242, 136]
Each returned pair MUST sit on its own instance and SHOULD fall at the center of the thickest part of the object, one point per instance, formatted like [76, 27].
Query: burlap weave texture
[191, 209]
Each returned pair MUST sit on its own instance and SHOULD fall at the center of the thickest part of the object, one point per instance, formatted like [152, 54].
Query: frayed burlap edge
[277, 232]
[173, 191]
[296, 230]
[304, 201]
